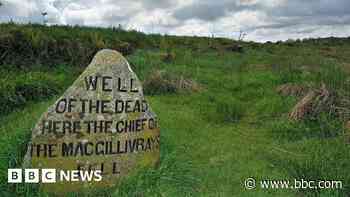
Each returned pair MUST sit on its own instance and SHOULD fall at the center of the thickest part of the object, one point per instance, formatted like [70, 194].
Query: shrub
[124, 47]
[35, 91]
[32, 86]
[10, 100]
[25, 46]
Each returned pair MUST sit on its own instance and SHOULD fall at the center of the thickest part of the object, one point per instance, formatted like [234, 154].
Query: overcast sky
[262, 20]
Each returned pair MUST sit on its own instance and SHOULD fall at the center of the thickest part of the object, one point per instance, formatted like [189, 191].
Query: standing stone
[102, 122]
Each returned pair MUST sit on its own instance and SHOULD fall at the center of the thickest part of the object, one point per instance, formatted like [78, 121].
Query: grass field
[234, 128]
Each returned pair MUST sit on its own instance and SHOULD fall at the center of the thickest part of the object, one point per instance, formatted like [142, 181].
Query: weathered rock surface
[102, 122]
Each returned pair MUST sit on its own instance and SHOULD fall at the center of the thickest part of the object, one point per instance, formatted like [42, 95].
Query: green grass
[211, 141]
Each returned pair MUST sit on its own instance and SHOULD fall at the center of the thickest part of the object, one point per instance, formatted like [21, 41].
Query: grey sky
[262, 19]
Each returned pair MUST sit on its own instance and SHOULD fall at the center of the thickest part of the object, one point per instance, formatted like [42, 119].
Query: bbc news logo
[52, 176]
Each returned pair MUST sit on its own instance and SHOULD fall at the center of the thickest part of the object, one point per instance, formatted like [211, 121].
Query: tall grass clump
[154, 182]
[159, 82]
[333, 76]
[317, 160]
[164, 82]
[323, 127]
[170, 178]
[229, 110]
[289, 74]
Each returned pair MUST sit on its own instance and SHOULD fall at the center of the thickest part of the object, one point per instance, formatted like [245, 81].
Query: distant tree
[44, 14]
[0, 4]
[241, 36]
[120, 27]
[237, 46]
